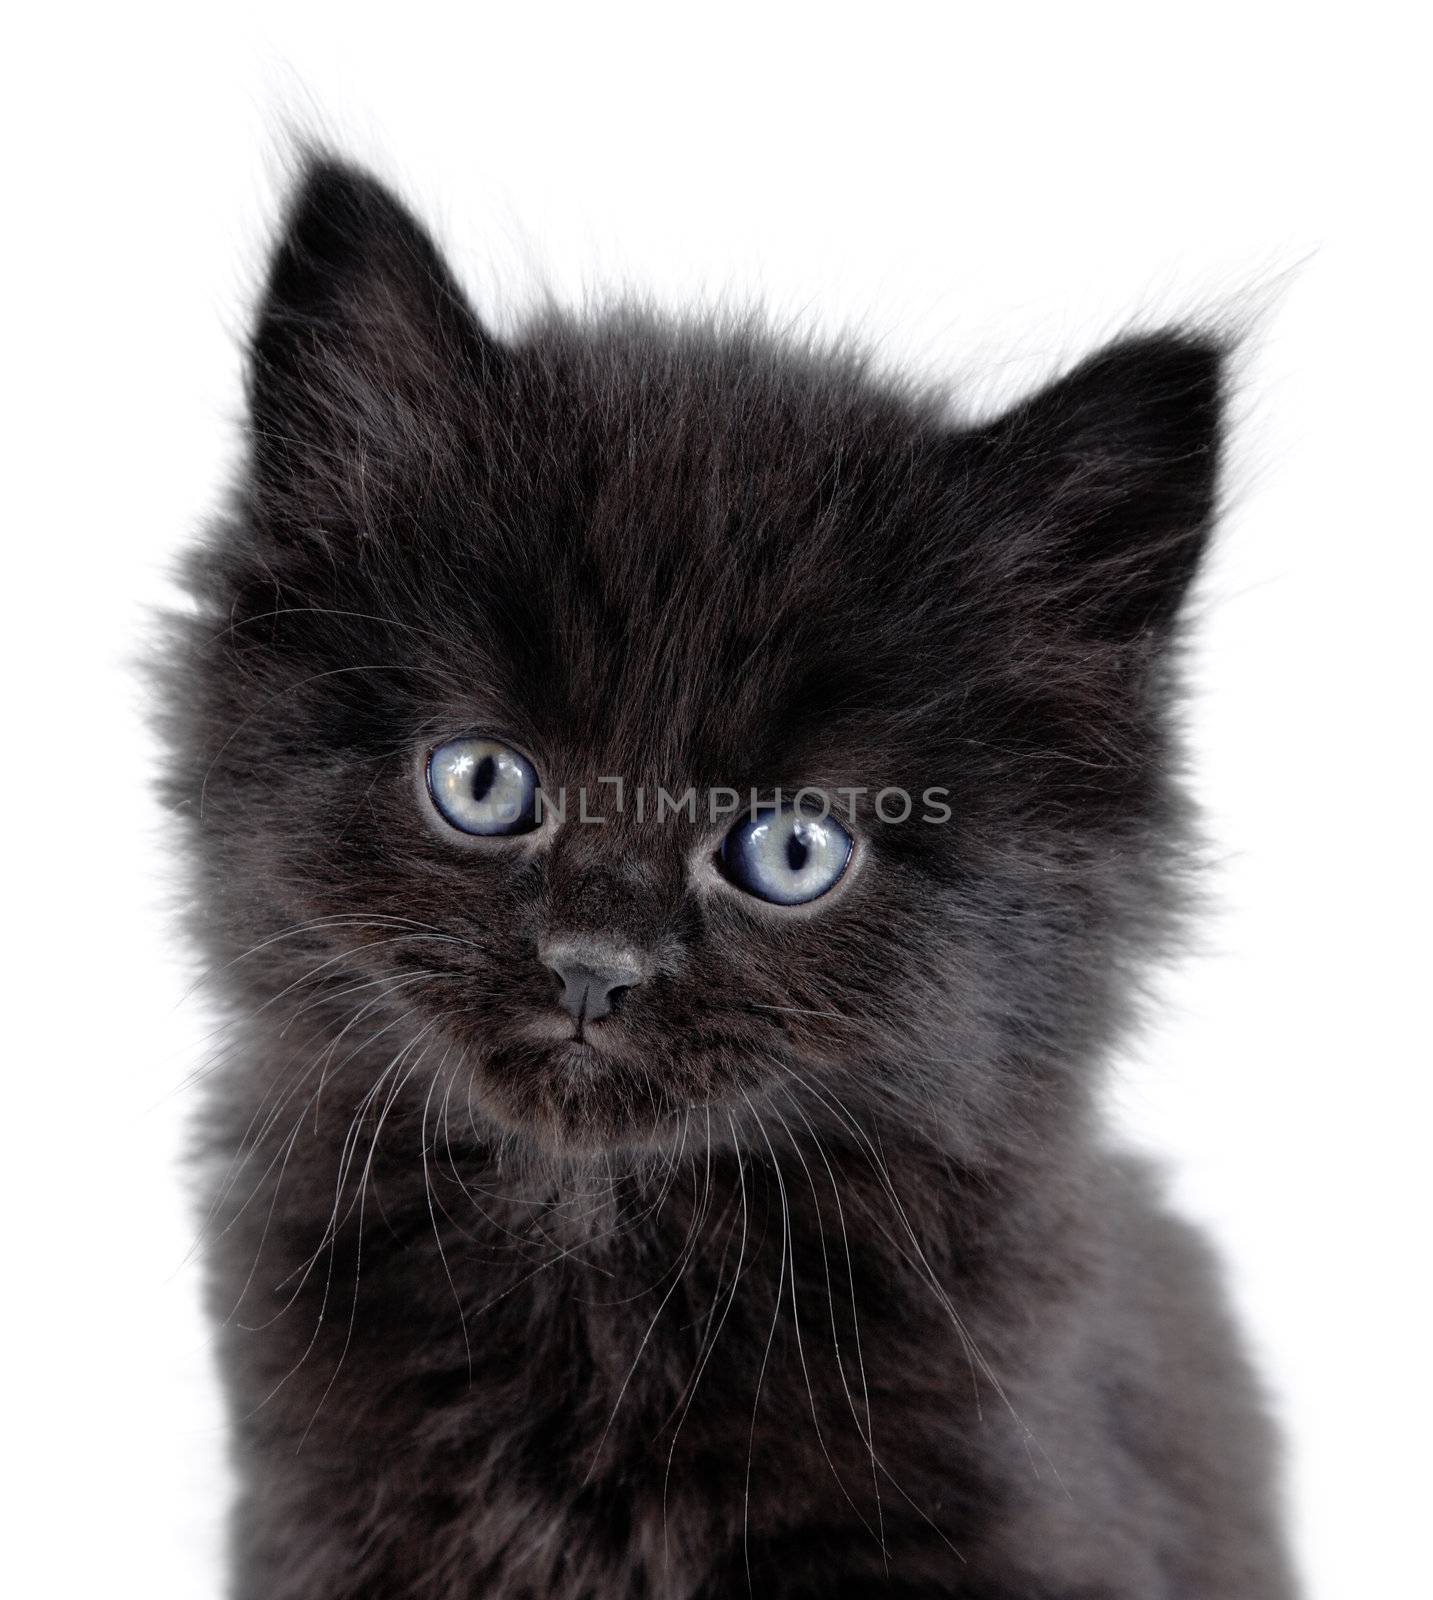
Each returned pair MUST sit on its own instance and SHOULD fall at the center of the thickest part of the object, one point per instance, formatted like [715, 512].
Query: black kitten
[709, 1199]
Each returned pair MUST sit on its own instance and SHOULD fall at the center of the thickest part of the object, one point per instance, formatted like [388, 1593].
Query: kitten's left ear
[364, 348]
[1104, 483]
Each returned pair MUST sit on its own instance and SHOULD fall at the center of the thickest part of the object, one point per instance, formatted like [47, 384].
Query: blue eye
[786, 856]
[480, 786]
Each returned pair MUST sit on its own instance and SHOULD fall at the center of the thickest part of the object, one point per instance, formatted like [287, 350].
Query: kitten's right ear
[364, 354]
[1102, 485]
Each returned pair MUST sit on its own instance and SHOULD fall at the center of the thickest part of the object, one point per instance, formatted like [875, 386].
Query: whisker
[800, 1011]
[867, 1433]
[789, 1251]
[755, 1406]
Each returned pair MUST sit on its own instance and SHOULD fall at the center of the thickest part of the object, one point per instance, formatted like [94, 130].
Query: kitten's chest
[651, 1377]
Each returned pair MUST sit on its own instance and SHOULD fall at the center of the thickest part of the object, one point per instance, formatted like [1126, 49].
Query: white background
[984, 191]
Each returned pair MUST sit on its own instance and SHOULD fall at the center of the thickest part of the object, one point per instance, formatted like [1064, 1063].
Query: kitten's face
[694, 565]
[631, 629]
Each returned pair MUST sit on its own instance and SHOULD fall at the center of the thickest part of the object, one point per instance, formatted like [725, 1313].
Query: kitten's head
[467, 585]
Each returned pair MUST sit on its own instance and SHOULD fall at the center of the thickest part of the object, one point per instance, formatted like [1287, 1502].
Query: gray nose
[592, 976]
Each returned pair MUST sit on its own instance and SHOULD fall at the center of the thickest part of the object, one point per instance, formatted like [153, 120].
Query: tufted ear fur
[1103, 484]
[364, 357]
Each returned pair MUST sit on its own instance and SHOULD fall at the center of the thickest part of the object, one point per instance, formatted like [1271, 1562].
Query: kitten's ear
[363, 352]
[1105, 482]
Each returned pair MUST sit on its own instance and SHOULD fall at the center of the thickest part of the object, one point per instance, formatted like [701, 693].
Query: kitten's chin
[574, 1097]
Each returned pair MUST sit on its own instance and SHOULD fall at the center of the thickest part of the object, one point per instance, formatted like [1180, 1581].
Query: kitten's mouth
[601, 1038]
[605, 1085]
[572, 1089]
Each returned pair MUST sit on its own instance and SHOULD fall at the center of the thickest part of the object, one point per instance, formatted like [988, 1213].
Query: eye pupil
[797, 851]
[483, 777]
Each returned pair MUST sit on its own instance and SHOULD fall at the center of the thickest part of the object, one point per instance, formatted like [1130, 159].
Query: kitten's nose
[592, 973]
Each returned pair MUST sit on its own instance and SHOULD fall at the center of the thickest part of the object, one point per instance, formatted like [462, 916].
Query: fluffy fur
[813, 1273]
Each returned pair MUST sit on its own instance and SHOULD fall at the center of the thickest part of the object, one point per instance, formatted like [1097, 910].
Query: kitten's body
[816, 1277]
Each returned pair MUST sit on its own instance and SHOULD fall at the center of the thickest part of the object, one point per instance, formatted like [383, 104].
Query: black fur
[815, 1274]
